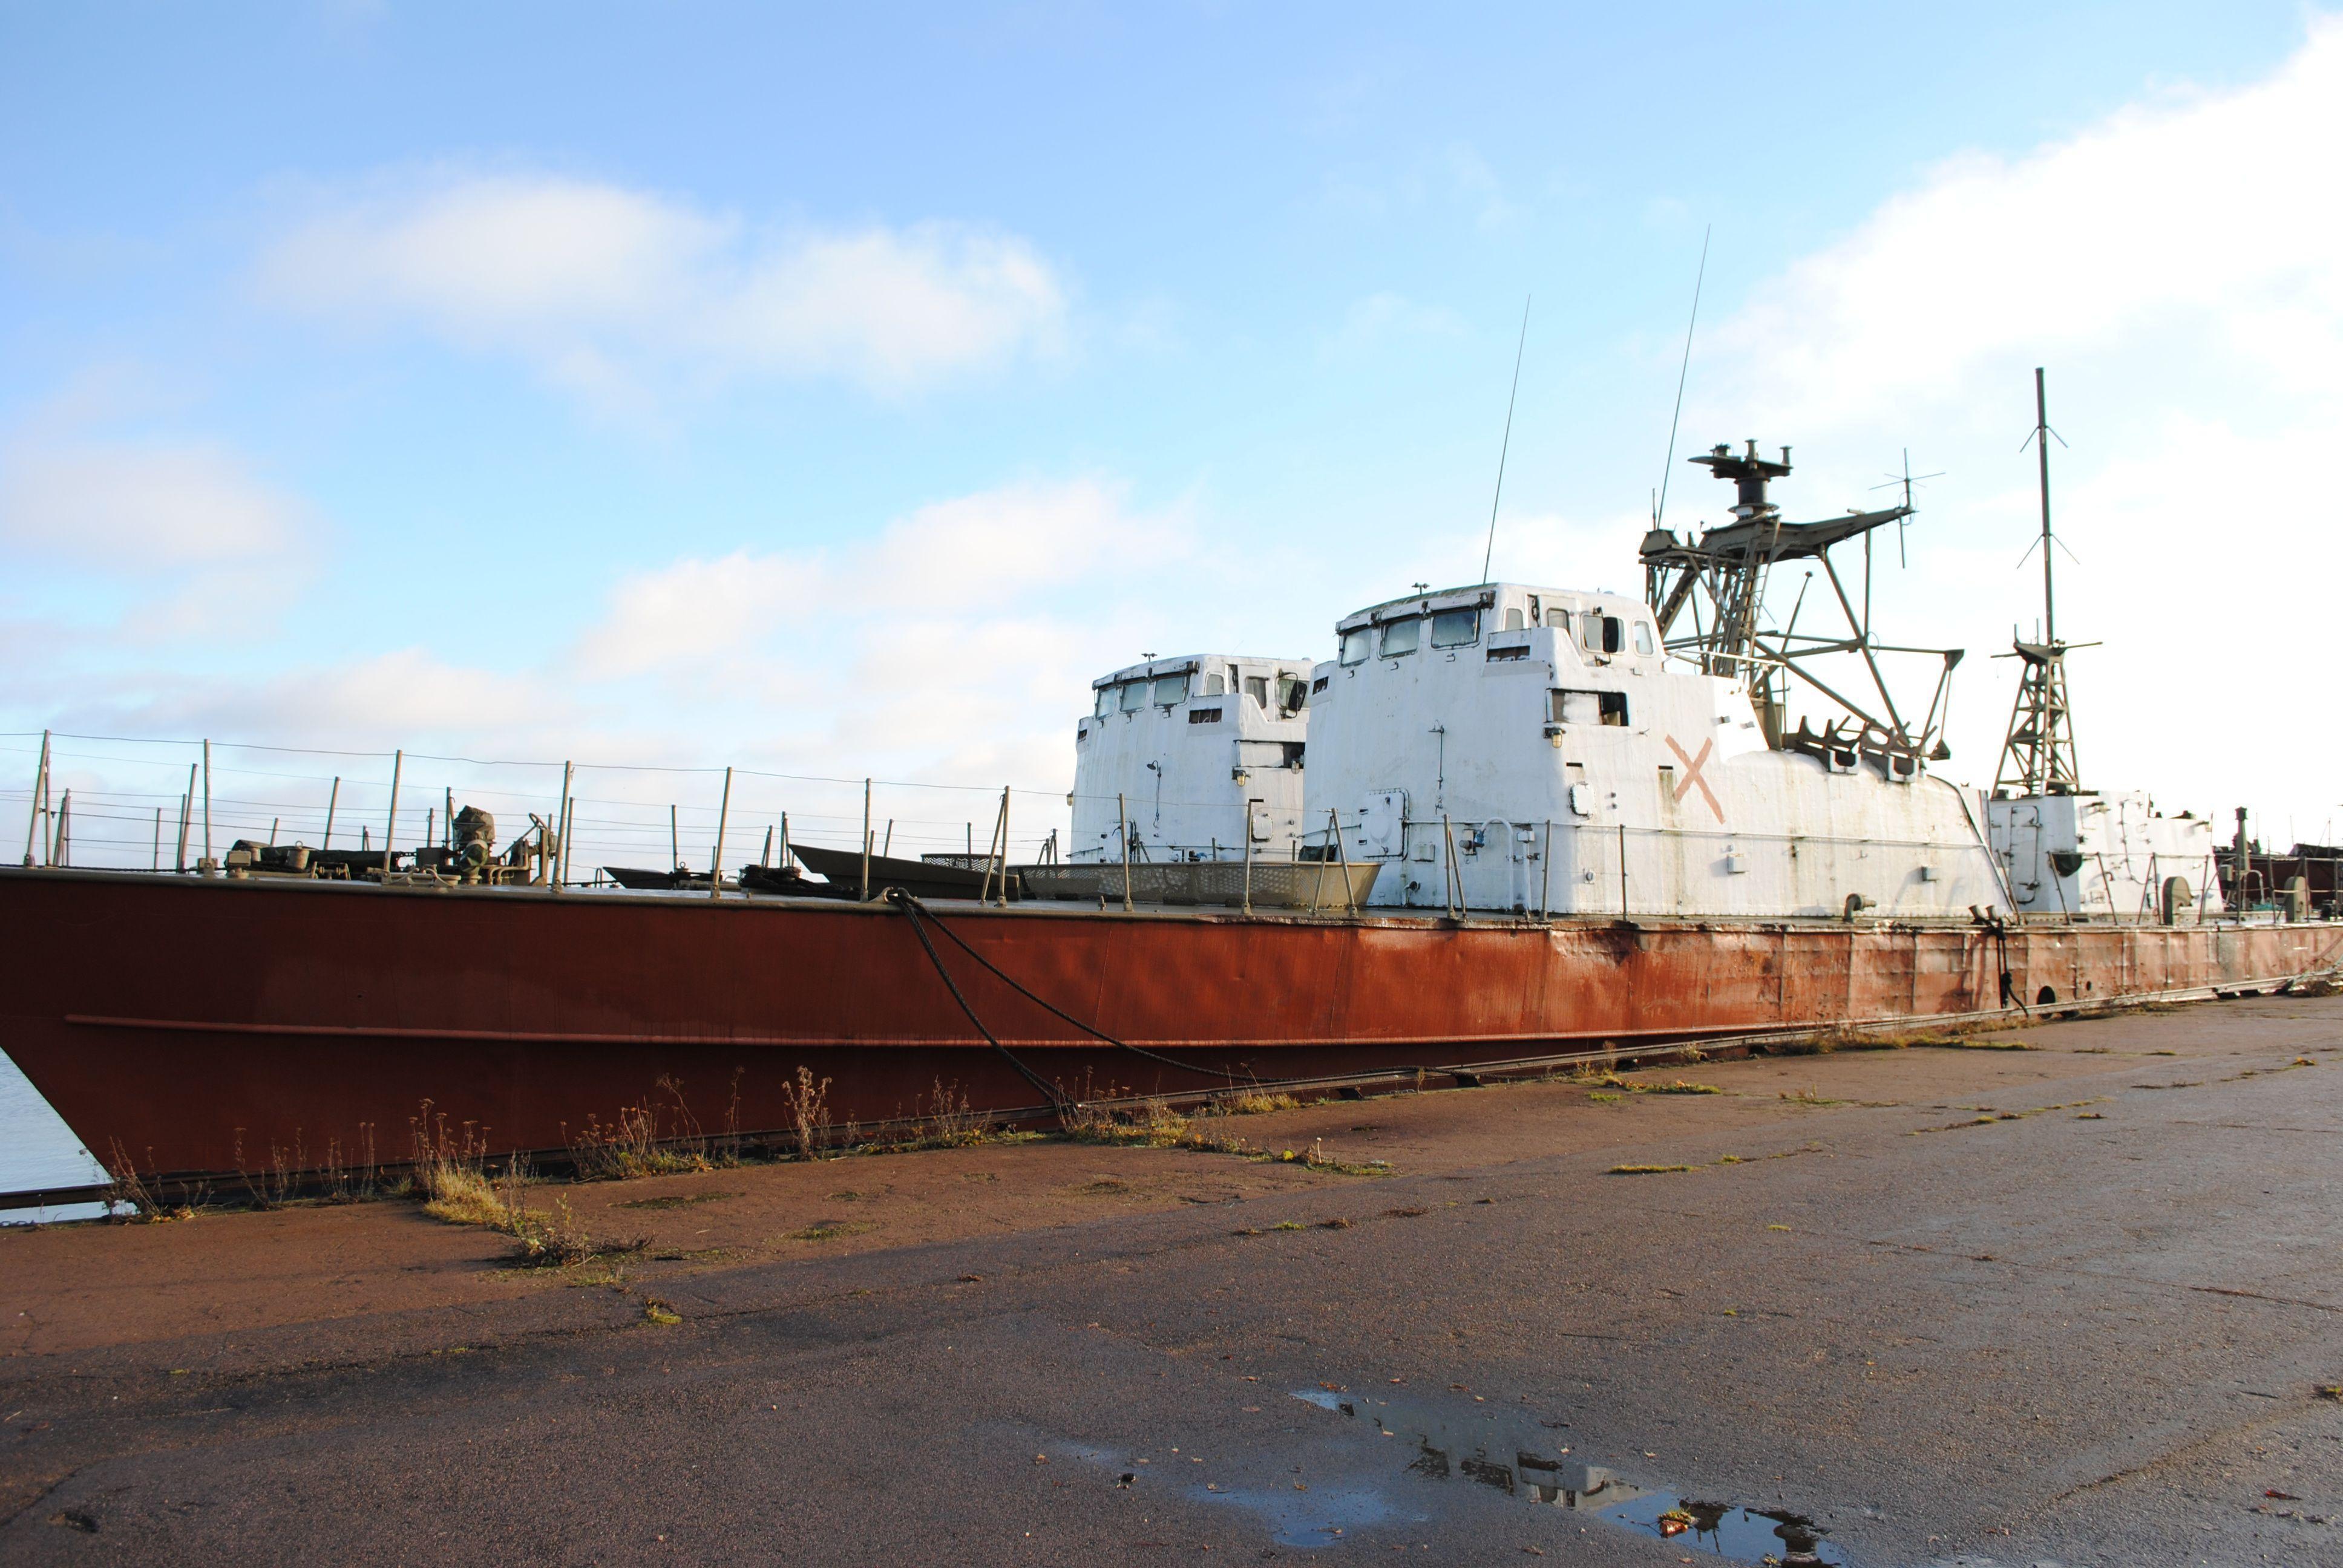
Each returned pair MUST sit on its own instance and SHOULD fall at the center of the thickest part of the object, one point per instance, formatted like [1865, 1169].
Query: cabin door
[1383, 824]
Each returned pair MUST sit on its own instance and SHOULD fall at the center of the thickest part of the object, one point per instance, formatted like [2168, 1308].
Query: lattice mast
[1724, 572]
[2037, 757]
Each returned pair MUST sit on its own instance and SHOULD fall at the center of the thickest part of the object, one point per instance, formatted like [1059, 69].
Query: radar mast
[2037, 758]
[1723, 573]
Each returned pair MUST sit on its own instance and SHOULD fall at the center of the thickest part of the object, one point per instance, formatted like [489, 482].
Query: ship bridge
[1511, 746]
[1186, 759]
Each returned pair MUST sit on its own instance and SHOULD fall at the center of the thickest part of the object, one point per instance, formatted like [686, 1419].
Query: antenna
[1660, 507]
[1507, 444]
[1907, 479]
[2041, 438]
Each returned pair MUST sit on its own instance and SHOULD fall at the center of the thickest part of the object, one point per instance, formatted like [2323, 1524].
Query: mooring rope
[1059, 1100]
[2009, 997]
[915, 908]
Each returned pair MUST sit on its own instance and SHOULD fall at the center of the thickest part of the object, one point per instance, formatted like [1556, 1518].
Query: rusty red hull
[197, 1025]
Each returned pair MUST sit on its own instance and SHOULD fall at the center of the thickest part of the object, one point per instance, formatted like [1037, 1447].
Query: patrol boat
[1557, 824]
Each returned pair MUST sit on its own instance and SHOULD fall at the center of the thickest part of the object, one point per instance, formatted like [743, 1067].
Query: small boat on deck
[842, 872]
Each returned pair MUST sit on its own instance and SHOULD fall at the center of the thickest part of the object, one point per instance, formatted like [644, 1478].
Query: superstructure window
[1609, 707]
[1170, 688]
[1455, 628]
[1401, 637]
[1293, 694]
[1215, 686]
[1257, 687]
[1514, 619]
[1643, 637]
[1105, 702]
[1357, 643]
[1134, 696]
[1602, 633]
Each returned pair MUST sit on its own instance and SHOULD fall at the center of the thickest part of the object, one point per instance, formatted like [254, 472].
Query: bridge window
[1170, 688]
[1401, 637]
[1134, 696]
[1292, 695]
[1455, 628]
[1215, 686]
[1257, 687]
[1514, 619]
[1643, 637]
[1105, 702]
[1357, 643]
[1602, 633]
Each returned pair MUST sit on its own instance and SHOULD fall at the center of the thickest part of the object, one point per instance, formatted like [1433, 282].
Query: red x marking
[1693, 765]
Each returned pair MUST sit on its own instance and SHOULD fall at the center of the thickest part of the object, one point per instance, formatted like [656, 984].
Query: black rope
[2009, 997]
[913, 904]
[1058, 1100]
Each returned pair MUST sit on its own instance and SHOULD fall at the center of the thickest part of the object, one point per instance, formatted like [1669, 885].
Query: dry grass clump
[461, 1191]
[558, 1240]
[1152, 1124]
[1821, 1042]
[134, 1198]
[659, 1138]
[947, 1121]
[1256, 1103]
[809, 1108]
[1609, 1080]
[1644, 1170]
[464, 1196]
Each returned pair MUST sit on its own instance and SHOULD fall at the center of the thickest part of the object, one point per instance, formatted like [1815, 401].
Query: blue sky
[835, 395]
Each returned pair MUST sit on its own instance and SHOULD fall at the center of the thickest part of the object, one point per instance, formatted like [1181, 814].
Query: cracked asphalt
[2071, 1304]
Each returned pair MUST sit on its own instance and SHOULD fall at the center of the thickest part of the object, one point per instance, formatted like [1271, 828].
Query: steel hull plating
[197, 1025]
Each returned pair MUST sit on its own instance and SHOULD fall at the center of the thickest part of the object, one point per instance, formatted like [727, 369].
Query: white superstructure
[1505, 747]
[1190, 755]
[2089, 853]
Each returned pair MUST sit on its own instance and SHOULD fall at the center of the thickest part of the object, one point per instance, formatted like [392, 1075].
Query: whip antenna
[1660, 509]
[1506, 444]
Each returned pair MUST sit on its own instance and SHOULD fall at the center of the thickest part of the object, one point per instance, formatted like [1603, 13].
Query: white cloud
[602, 286]
[696, 609]
[2177, 271]
[134, 507]
[958, 562]
[405, 690]
[960, 636]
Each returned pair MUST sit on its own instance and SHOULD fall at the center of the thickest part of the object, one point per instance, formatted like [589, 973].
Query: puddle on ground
[1318, 1517]
[1507, 1453]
